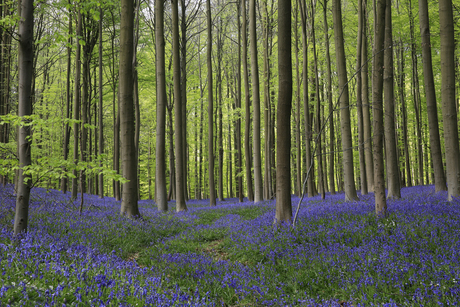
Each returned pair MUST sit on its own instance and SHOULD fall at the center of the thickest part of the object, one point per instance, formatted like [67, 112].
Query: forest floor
[339, 254]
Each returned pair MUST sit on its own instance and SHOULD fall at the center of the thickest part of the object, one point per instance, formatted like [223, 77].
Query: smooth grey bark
[321, 185]
[329, 99]
[247, 131]
[283, 141]
[161, 197]
[267, 35]
[129, 199]
[212, 190]
[367, 125]
[430, 93]
[449, 108]
[101, 113]
[25, 66]
[359, 101]
[238, 106]
[258, 183]
[416, 98]
[347, 160]
[220, 146]
[179, 149]
[66, 141]
[392, 162]
[306, 109]
[76, 108]
[298, 150]
[377, 107]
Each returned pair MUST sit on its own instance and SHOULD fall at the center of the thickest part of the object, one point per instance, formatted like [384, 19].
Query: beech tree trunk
[238, 106]
[65, 149]
[180, 197]
[449, 108]
[25, 66]
[329, 99]
[76, 108]
[392, 163]
[247, 132]
[101, 113]
[161, 197]
[431, 104]
[283, 140]
[367, 126]
[258, 183]
[349, 182]
[212, 190]
[377, 107]
[129, 200]
[359, 101]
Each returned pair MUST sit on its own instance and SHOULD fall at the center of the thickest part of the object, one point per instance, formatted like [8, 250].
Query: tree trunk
[377, 107]
[238, 107]
[129, 205]
[368, 156]
[318, 108]
[247, 132]
[306, 108]
[258, 183]
[180, 197]
[298, 145]
[76, 109]
[101, 113]
[359, 101]
[220, 148]
[449, 109]
[183, 82]
[212, 190]
[162, 100]
[329, 99]
[394, 186]
[349, 182]
[283, 140]
[431, 104]
[25, 66]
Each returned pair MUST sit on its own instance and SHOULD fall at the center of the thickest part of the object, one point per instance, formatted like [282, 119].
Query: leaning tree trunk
[212, 190]
[431, 105]
[129, 200]
[283, 140]
[25, 66]
[377, 106]
[349, 182]
[160, 161]
[394, 186]
[449, 108]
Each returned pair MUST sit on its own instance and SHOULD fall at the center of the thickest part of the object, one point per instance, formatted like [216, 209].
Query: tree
[350, 190]
[377, 106]
[180, 197]
[283, 141]
[212, 189]
[25, 66]
[161, 197]
[430, 93]
[359, 101]
[394, 187]
[258, 184]
[101, 113]
[129, 200]
[76, 109]
[449, 109]
[247, 130]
